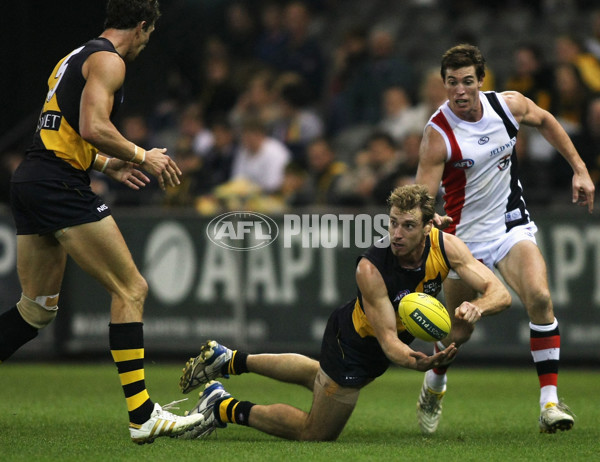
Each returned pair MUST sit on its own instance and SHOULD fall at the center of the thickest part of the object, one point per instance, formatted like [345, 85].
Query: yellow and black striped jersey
[402, 281]
[57, 133]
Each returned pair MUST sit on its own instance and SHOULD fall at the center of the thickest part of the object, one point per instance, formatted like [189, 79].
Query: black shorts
[45, 206]
[350, 360]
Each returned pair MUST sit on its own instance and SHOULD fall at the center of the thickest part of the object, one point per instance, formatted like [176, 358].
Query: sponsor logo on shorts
[102, 208]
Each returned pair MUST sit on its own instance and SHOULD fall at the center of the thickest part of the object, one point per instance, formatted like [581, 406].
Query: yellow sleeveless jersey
[401, 281]
[58, 126]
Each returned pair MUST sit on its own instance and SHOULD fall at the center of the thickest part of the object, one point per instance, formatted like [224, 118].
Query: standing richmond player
[56, 213]
[468, 145]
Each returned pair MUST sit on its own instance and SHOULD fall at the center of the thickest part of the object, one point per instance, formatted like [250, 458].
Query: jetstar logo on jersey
[464, 164]
[242, 230]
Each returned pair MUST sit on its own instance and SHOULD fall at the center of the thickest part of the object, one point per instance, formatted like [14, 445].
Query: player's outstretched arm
[382, 317]
[526, 112]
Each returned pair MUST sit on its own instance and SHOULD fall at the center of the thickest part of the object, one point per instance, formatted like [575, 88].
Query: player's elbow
[504, 299]
[91, 133]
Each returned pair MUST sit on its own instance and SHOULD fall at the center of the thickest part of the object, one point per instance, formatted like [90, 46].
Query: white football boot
[429, 408]
[556, 416]
[163, 423]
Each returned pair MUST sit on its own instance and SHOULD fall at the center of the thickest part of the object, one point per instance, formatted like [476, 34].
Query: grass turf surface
[76, 412]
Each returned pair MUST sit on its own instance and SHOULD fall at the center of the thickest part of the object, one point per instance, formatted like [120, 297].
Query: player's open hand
[161, 166]
[424, 362]
[126, 173]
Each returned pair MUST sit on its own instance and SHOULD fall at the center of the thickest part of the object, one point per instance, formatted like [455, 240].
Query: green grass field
[74, 412]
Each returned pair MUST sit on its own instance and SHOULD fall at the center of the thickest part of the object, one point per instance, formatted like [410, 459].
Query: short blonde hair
[412, 196]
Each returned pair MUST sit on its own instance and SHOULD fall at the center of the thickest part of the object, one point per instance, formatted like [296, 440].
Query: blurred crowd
[282, 120]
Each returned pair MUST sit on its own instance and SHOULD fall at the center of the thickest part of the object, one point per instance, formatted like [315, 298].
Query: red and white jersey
[482, 191]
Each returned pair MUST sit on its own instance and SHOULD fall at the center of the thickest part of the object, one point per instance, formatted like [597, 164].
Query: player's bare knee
[538, 300]
[135, 291]
[39, 312]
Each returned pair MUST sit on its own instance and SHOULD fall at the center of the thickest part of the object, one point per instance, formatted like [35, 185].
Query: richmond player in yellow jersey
[57, 214]
[362, 338]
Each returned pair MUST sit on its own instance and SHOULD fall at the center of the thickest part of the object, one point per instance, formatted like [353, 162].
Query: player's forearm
[107, 139]
[553, 132]
[494, 300]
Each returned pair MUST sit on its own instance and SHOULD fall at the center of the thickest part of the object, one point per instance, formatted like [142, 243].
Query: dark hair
[382, 136]
[126, 14]
[412, 196]
[463, 55]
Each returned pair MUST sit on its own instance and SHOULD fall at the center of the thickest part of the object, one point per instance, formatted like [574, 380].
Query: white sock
[548, 394]
[435, 381]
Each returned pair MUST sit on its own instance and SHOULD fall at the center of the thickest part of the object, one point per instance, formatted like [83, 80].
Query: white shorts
[491, 252]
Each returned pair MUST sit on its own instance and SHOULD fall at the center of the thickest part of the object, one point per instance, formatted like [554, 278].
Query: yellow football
[424, 316]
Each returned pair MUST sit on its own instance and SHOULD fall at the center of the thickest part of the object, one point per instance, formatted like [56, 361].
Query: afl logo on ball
[242, 230]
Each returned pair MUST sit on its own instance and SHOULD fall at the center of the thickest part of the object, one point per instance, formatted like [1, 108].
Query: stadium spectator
[256, 100]
[362, 338]
[592, 41]
[324, 171]
[192, 124]
[218, 161]
[297, 124]
[218, 94]
[261, 159]
[383, 69]
[530, 75]
[296, 189]
[431, 95]
[588, 142]
[272, 38]
[57, 214]
[374, 174]
[301, 52]
[396, 118]
[485, 207]
[240, 32]
[569, 50]
[349, 57]
[569, 104]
